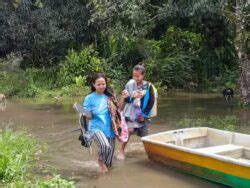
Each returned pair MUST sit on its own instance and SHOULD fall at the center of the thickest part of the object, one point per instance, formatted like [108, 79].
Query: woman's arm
[126, 98]
[121, 102]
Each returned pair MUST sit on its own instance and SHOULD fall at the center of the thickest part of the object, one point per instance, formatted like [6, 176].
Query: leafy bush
[173, 58]
[28, 83]
[17, 152]
[18, 155]
[121, 53]
[12, 83]
[174, 71]
[55, 182]
[42, 78]
[43, 30]
[83, 63]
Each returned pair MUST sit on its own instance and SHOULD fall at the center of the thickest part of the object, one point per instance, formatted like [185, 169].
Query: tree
[43, 30]
[240, 45]
[238, 12]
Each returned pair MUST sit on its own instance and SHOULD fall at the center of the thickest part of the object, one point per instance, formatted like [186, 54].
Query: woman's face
[138, 76]
[100, 85]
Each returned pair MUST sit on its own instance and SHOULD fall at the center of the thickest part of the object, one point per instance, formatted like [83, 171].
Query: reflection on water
[50, 124]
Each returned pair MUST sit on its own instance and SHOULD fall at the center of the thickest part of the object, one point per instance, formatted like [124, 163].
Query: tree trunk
[240, 41]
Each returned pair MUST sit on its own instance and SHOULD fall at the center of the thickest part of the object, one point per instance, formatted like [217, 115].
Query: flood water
[49, 122]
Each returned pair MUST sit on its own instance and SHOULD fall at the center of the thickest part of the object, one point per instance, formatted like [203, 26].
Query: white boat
[213, 154]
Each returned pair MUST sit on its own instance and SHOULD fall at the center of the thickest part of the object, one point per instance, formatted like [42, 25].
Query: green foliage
[122, 50]
[180, 59]
[55, 182]
[121, 53]
[39, 83]
[225, 123]
[43, 78]
[83, 63]
[214, 61]
[228, 78]
[174, 71]
[176, 39]
[11, 83]
[174, 58]
[80, 80]
[29, 83]
[184, 44]
[73, 91]
[43, 30]
[16, 155]
[128, 16]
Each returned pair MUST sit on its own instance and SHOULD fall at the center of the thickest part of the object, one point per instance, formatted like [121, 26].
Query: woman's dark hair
[140, 67]
[108, 91]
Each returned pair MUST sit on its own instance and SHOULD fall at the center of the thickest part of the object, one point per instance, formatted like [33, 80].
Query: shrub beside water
[17, 152]
[79, 65]
[18, 156]
[54, 182]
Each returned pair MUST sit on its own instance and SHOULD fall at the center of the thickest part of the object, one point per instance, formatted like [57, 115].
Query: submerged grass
[228, 122]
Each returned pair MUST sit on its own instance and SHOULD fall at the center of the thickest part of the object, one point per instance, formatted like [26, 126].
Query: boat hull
[202, 166]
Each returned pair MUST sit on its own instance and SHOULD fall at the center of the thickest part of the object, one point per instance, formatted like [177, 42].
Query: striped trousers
[106, 147]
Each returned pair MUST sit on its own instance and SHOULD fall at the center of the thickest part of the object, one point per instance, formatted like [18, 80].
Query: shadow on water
[49, 122]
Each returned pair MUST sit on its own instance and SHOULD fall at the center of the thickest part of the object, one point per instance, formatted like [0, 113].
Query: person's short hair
[139, 67]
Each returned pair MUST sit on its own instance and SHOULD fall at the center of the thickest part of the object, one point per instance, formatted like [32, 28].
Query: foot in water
[103, 167]
[120, 155]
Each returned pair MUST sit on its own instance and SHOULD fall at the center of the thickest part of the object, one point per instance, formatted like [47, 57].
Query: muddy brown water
[49, 122]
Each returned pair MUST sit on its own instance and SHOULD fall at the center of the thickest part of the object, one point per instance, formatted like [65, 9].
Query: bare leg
[103, 168]
[104, 149]
[122, 150]
[123, 145]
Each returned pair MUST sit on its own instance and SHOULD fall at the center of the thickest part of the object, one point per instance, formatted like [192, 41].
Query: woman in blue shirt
[100, 123]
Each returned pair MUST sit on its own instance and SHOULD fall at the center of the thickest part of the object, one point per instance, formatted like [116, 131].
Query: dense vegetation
[58, 44]
[19, 156]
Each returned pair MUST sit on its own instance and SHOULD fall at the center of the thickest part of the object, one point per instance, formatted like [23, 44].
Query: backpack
[149, 102]
[153, 112]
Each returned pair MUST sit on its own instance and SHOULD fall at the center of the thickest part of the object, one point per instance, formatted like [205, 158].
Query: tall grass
[17, 152]
[18, 157]
[55, 182]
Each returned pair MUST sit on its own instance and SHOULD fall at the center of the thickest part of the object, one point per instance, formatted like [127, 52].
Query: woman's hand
[141, 119]
[125, 94]
[138, 94]
[142, 93]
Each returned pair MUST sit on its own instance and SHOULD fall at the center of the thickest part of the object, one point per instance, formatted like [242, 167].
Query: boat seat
[220, 148]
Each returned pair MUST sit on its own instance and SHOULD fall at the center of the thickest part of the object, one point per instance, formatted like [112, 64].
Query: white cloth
[129, 110]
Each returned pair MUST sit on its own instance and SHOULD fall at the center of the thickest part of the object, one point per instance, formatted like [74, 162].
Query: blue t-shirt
[101, 121]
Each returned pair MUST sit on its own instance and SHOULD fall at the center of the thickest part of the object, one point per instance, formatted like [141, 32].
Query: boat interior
[209, 141]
